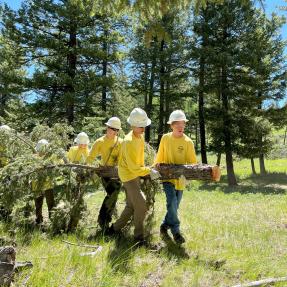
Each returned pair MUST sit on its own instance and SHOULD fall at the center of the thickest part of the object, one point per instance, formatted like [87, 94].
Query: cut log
[173, 171]
[190, 171]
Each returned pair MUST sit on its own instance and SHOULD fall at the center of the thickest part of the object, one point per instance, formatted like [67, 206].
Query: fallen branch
[262, 282]
[93, 253]
[167, 171]
[81, 245]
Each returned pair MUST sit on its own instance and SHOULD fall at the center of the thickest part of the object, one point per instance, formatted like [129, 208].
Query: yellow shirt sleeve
[76, 154]
[95, 151]
[160, 153]
[191, 156]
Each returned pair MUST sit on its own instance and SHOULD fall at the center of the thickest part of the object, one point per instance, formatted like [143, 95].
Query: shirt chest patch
[180, 149]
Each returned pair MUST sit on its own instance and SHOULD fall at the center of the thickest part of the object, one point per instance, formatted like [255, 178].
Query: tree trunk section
[72, 62]
[161, 95]
[227, 128]
[218, 159]
[262, 165]
[201, 118]
[253, 166]
[104, 72]
[150, 96]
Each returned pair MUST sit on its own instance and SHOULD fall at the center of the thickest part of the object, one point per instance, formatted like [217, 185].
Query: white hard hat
[82, 138]
[41, 144]
[114, 122]
[5, 128]
[176, 116]
[138, 118]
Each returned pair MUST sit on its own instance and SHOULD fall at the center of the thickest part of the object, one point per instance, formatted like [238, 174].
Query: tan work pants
[135, 206]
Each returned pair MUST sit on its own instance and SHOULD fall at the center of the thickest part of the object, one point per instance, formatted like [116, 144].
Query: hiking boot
[178, 238]
[163, 230]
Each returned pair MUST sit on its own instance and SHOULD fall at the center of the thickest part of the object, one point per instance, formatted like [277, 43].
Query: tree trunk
[161, 95]
[218, 159]
[104, 71]
[201, 118]
[227, 126]
[253, 166]
[72, 62]
[262, 165]
[196, 135]
[3, 100]
[284, 142]
[148, 106]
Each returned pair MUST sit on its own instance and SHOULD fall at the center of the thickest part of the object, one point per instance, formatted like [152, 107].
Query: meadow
[233, 235]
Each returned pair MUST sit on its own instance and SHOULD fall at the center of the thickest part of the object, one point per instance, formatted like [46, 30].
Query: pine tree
[12, 72]
[64, 42]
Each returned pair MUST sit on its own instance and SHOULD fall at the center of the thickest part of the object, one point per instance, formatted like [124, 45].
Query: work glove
[182, 180]
[154, 174]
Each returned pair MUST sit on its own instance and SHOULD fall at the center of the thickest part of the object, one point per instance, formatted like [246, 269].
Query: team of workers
[128, 154]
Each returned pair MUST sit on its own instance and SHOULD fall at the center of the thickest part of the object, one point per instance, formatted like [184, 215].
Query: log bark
[174, 171]
[167, 171]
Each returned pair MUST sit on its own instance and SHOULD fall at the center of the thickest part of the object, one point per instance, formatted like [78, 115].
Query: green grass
[233, 235]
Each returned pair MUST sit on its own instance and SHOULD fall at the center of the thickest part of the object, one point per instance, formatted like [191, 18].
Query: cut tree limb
[167, 171]
[262, 282]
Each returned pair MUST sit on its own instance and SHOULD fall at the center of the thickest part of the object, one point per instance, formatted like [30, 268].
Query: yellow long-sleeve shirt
[131, 162]
[174, 150]
[46, 182]
[107, 149]
[78, 154]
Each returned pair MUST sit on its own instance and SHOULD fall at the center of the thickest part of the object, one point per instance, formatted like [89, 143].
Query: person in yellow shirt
[108, 148]
[131, 167]
[44, 187]
[175, 148]
[80, 152]
[3, 157]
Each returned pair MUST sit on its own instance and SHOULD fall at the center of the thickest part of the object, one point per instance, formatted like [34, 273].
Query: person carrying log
[131, 167]
[44, 186]
[108, 148]
[175, 148]
[80, 152]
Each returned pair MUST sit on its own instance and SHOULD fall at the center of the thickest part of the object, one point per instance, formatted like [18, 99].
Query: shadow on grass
[171, 249]
[119, 257]
[270, 178]
[271, 183]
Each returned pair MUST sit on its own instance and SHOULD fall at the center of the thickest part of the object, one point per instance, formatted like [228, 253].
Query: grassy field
[233, 235]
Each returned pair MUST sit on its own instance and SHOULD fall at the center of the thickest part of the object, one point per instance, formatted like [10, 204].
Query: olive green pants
[135, 206]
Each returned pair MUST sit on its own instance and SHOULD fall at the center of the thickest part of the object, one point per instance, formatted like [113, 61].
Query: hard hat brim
[112, 126]
[170, 122]
[139, 124]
